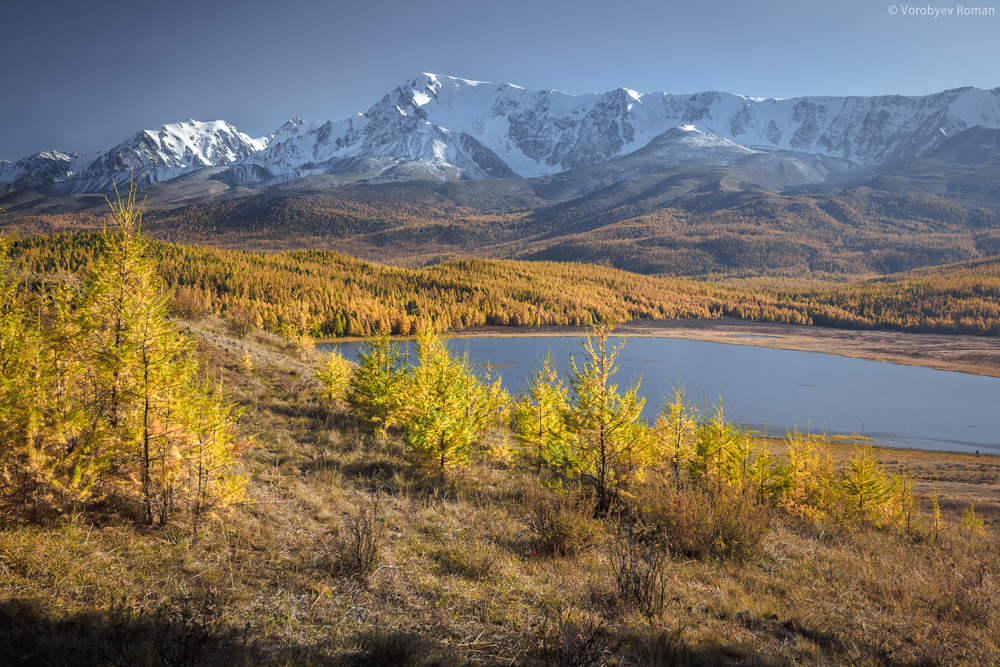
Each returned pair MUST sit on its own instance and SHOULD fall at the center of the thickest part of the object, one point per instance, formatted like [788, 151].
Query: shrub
[568, 641]
[972, 525]
[561, 522]
[726, 522]
[241, 322]
[181, 630]
[301, 341]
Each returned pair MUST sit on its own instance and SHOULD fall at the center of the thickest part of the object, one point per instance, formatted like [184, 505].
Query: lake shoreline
[857, 395]
[976, 355]
[961, 353]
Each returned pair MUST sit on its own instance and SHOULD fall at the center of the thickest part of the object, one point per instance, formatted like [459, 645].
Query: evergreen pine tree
[447, 405]
[866, 486]
[675, 428]
[334, 375]
[46, 460]
[808, 477]
[612, 444]
[210, 454]
[539, 420]
[148, 411]
[376, 386]
[17, 344]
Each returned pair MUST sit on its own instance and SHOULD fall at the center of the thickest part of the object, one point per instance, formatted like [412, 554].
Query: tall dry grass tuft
[357, 549]
[724, 522]
[566, 639]
[183, 630]
[639, 567]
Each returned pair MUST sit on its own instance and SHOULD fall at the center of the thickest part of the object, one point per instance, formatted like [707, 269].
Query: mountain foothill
[442, 168]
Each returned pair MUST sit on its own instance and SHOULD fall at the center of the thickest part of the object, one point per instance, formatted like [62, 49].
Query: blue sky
[83, 75]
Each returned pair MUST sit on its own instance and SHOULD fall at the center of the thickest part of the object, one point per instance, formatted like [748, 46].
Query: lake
[898, 405]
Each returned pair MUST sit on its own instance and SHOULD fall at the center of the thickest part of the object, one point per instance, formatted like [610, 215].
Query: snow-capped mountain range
[150, 155]
[443, 127]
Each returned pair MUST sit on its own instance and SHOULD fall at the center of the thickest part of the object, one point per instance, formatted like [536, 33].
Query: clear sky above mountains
[82, 76]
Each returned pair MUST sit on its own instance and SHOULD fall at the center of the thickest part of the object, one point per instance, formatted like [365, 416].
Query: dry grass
[486, 567]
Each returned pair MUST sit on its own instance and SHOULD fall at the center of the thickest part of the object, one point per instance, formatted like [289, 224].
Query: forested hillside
[331, 294]
[653, 224]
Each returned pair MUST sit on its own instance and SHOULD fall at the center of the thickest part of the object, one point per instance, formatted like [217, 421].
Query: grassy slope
[462, 579]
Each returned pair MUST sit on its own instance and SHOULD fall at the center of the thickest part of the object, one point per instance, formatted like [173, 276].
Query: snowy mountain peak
[148, 156]
[633, 94]
[204, 143]
[491, 129]
[689, 142]
[427, 80]
[439, 126]
[57, 155]
[438, 81]
[291, 128]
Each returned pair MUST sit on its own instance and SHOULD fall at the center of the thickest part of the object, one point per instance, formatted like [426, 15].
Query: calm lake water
[901, 406]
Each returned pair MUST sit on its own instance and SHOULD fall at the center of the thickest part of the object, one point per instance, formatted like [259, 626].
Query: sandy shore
[951, 352]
